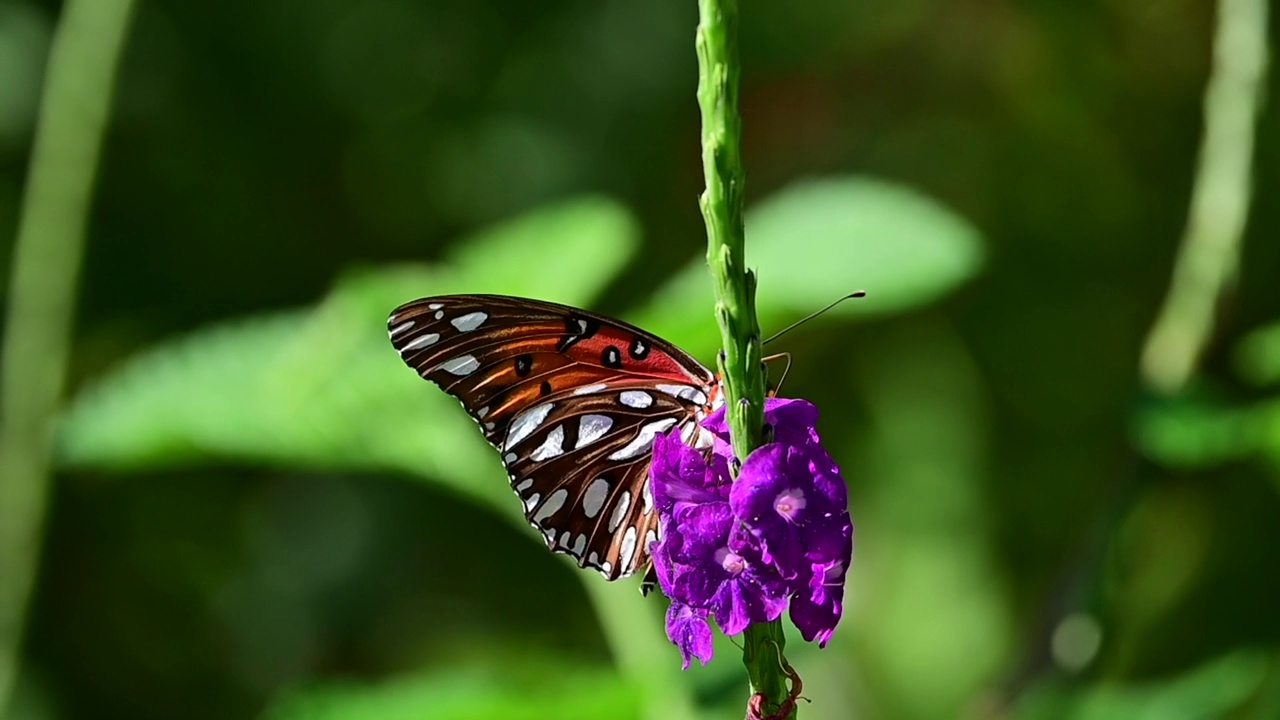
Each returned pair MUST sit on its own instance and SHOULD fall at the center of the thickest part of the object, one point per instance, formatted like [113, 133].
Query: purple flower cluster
[740, 549]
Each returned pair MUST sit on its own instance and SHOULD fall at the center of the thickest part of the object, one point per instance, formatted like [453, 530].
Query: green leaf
[1257, 357]
[1194, 432]
[1212, 690]
[567, 253]
[565, 695]
[820, 239]
[323, 388]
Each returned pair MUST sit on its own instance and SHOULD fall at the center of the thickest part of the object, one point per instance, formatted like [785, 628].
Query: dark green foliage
[260, 512]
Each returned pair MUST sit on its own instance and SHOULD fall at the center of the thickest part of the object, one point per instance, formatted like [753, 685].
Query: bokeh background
[257, 511]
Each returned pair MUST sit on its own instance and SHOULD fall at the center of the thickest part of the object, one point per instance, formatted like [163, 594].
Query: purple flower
[688, 629]
[709, 573]
[794, 421]
[816, 613]
[790, 499]
[696, 563]
[739, 550]
[681, 476]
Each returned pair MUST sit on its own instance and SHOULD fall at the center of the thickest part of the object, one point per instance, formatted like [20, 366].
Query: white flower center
[730, 561]
[789, 503]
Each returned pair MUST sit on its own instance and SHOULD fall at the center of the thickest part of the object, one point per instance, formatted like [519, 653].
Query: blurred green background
[257, 511]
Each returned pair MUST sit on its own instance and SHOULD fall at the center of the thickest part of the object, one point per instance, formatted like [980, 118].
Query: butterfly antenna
[810, 316]
[785, 369]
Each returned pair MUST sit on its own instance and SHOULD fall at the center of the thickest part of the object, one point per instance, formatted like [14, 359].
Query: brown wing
[572, 400]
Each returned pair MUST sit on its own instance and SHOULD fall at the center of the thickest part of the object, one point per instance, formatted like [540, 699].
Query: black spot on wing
[611, 358]
[639, 349]
[576, 329]
[524, 365]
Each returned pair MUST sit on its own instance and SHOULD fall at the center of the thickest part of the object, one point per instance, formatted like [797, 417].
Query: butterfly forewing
[572, 400]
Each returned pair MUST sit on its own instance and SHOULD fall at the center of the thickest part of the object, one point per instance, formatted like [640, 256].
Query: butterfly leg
[650, 581]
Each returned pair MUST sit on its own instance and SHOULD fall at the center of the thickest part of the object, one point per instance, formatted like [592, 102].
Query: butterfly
[572, 400]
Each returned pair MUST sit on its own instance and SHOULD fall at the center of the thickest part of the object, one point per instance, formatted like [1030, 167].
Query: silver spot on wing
[554, 502]
[592, 428]
[593, 499]
[524, 423]
[684, 392]
[643, 441]
[638, 399]
[461, 365]
[628, 550]
[553, 446]
[620, 510]
[421, 341]
[469, 322]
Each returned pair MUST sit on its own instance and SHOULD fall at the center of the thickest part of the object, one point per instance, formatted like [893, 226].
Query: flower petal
[688, 629]
[770, 473]
[679, 473]
[817, 611]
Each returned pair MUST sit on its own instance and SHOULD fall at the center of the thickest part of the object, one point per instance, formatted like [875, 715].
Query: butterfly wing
[572, 400]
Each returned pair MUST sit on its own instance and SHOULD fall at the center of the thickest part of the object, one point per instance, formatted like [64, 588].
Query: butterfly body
[572, 400]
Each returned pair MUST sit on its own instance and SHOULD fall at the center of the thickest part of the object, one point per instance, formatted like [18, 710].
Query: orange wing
[572, 400]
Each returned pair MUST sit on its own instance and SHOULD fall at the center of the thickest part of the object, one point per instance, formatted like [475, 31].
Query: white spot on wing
[439, 314]
[620, 510]
[421, 341]
[704, 439]
[509, 458]
[461, 365]
[482, 412]
[643, 441]
[593, 499]
[590, 389]
[408, 324]
[591, 427]
[525, 423]
[647, 494]
[606, 568]
[525, 484]
[627, 552]
[470, 321]
[687, 432]
[593, 559]
[435, 306]
[531, 501]
[650, 537]
[579, 545]
[564, 539]
[551, 447]
[684, 392]
[554, 502]
[636, 399]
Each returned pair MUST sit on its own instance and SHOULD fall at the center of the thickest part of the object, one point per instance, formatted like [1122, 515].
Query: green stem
[739, 363]
[1210, 251]
[46, 265]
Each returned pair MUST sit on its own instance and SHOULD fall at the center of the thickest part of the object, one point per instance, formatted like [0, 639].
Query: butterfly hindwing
[572, 400]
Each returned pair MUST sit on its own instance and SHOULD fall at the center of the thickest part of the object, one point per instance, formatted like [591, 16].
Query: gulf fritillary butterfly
[573, 401]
